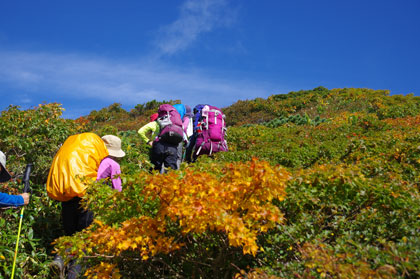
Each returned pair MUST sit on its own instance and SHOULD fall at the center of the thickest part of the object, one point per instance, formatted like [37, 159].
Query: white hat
[113, 144]
[4, 174]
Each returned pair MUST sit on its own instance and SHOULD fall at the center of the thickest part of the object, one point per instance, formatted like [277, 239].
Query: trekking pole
[26, 189]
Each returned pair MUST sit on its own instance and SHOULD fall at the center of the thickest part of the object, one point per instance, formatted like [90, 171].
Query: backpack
[170, 124]
[210, 131]
[77, 159]
[197, 115]
[180, 108]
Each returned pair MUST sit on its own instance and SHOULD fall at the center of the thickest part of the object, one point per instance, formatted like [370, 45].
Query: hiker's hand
[25, 197]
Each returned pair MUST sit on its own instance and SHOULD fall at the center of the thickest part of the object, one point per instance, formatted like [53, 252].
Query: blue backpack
[197, 116]
[181, 109]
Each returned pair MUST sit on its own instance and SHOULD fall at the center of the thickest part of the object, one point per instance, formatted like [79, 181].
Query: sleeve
[10, 200]
[103, 170]
[150, 127]
[115, 177]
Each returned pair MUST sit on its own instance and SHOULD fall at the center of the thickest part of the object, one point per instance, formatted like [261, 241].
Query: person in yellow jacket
[76, 161]
[75, 164]
[149, 132]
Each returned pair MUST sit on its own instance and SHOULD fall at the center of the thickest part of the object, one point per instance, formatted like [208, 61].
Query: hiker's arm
[149, 127]
[13, 200]
[116, 179]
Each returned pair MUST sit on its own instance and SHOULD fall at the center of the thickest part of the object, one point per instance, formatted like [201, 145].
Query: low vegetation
[317, 184]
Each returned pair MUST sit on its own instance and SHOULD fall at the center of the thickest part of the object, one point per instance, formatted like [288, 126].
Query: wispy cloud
[76, 77]
[81, 81]
[196, 17]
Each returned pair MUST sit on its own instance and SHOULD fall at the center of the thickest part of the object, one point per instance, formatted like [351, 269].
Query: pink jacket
[111, 170]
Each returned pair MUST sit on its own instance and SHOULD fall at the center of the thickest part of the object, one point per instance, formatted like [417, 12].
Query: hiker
[196, 118]
[149, 132]
[152, 129]
[182, 110]
[7, 200]
[165, 145]
[187, 122]
[109, 168]
[209, 132]
[75, 163]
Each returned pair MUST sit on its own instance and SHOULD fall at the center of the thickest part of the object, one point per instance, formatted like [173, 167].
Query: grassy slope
[353, 205]
[353, 201]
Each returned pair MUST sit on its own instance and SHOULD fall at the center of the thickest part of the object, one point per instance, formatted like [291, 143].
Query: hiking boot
[57, 266]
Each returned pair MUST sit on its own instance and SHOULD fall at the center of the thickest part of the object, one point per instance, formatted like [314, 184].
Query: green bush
[41, 225]
[34, 136]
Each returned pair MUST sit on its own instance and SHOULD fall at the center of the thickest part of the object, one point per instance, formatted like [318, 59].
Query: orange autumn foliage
[237, 201]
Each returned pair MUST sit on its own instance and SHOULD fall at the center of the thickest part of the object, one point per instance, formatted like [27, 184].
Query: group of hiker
[176, 133]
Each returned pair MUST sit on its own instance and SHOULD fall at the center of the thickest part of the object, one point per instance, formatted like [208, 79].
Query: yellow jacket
[150, 128]
[77, 159]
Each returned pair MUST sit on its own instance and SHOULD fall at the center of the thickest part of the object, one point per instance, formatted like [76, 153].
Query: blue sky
[89, 54]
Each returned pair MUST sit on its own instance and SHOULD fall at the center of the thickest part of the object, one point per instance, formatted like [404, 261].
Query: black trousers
[190, 148]
[164, 153]
[74, 217]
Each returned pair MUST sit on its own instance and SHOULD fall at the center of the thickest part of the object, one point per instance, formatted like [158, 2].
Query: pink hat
[153, 117]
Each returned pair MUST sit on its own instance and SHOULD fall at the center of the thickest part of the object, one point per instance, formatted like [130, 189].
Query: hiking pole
[26, 189]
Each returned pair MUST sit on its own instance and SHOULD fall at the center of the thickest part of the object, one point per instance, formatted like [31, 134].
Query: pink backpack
[170, 124]
[211, 131]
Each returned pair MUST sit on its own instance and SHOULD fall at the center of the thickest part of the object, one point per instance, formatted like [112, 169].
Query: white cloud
[81, 78]
[25, 99]
[196, 17]
[36, 77]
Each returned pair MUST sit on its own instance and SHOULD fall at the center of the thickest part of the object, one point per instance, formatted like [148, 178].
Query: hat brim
[116, 153]
[4, 174]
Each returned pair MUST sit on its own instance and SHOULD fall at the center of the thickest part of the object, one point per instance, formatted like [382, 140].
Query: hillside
[317, 184]
[318, 102]
[323, 103]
